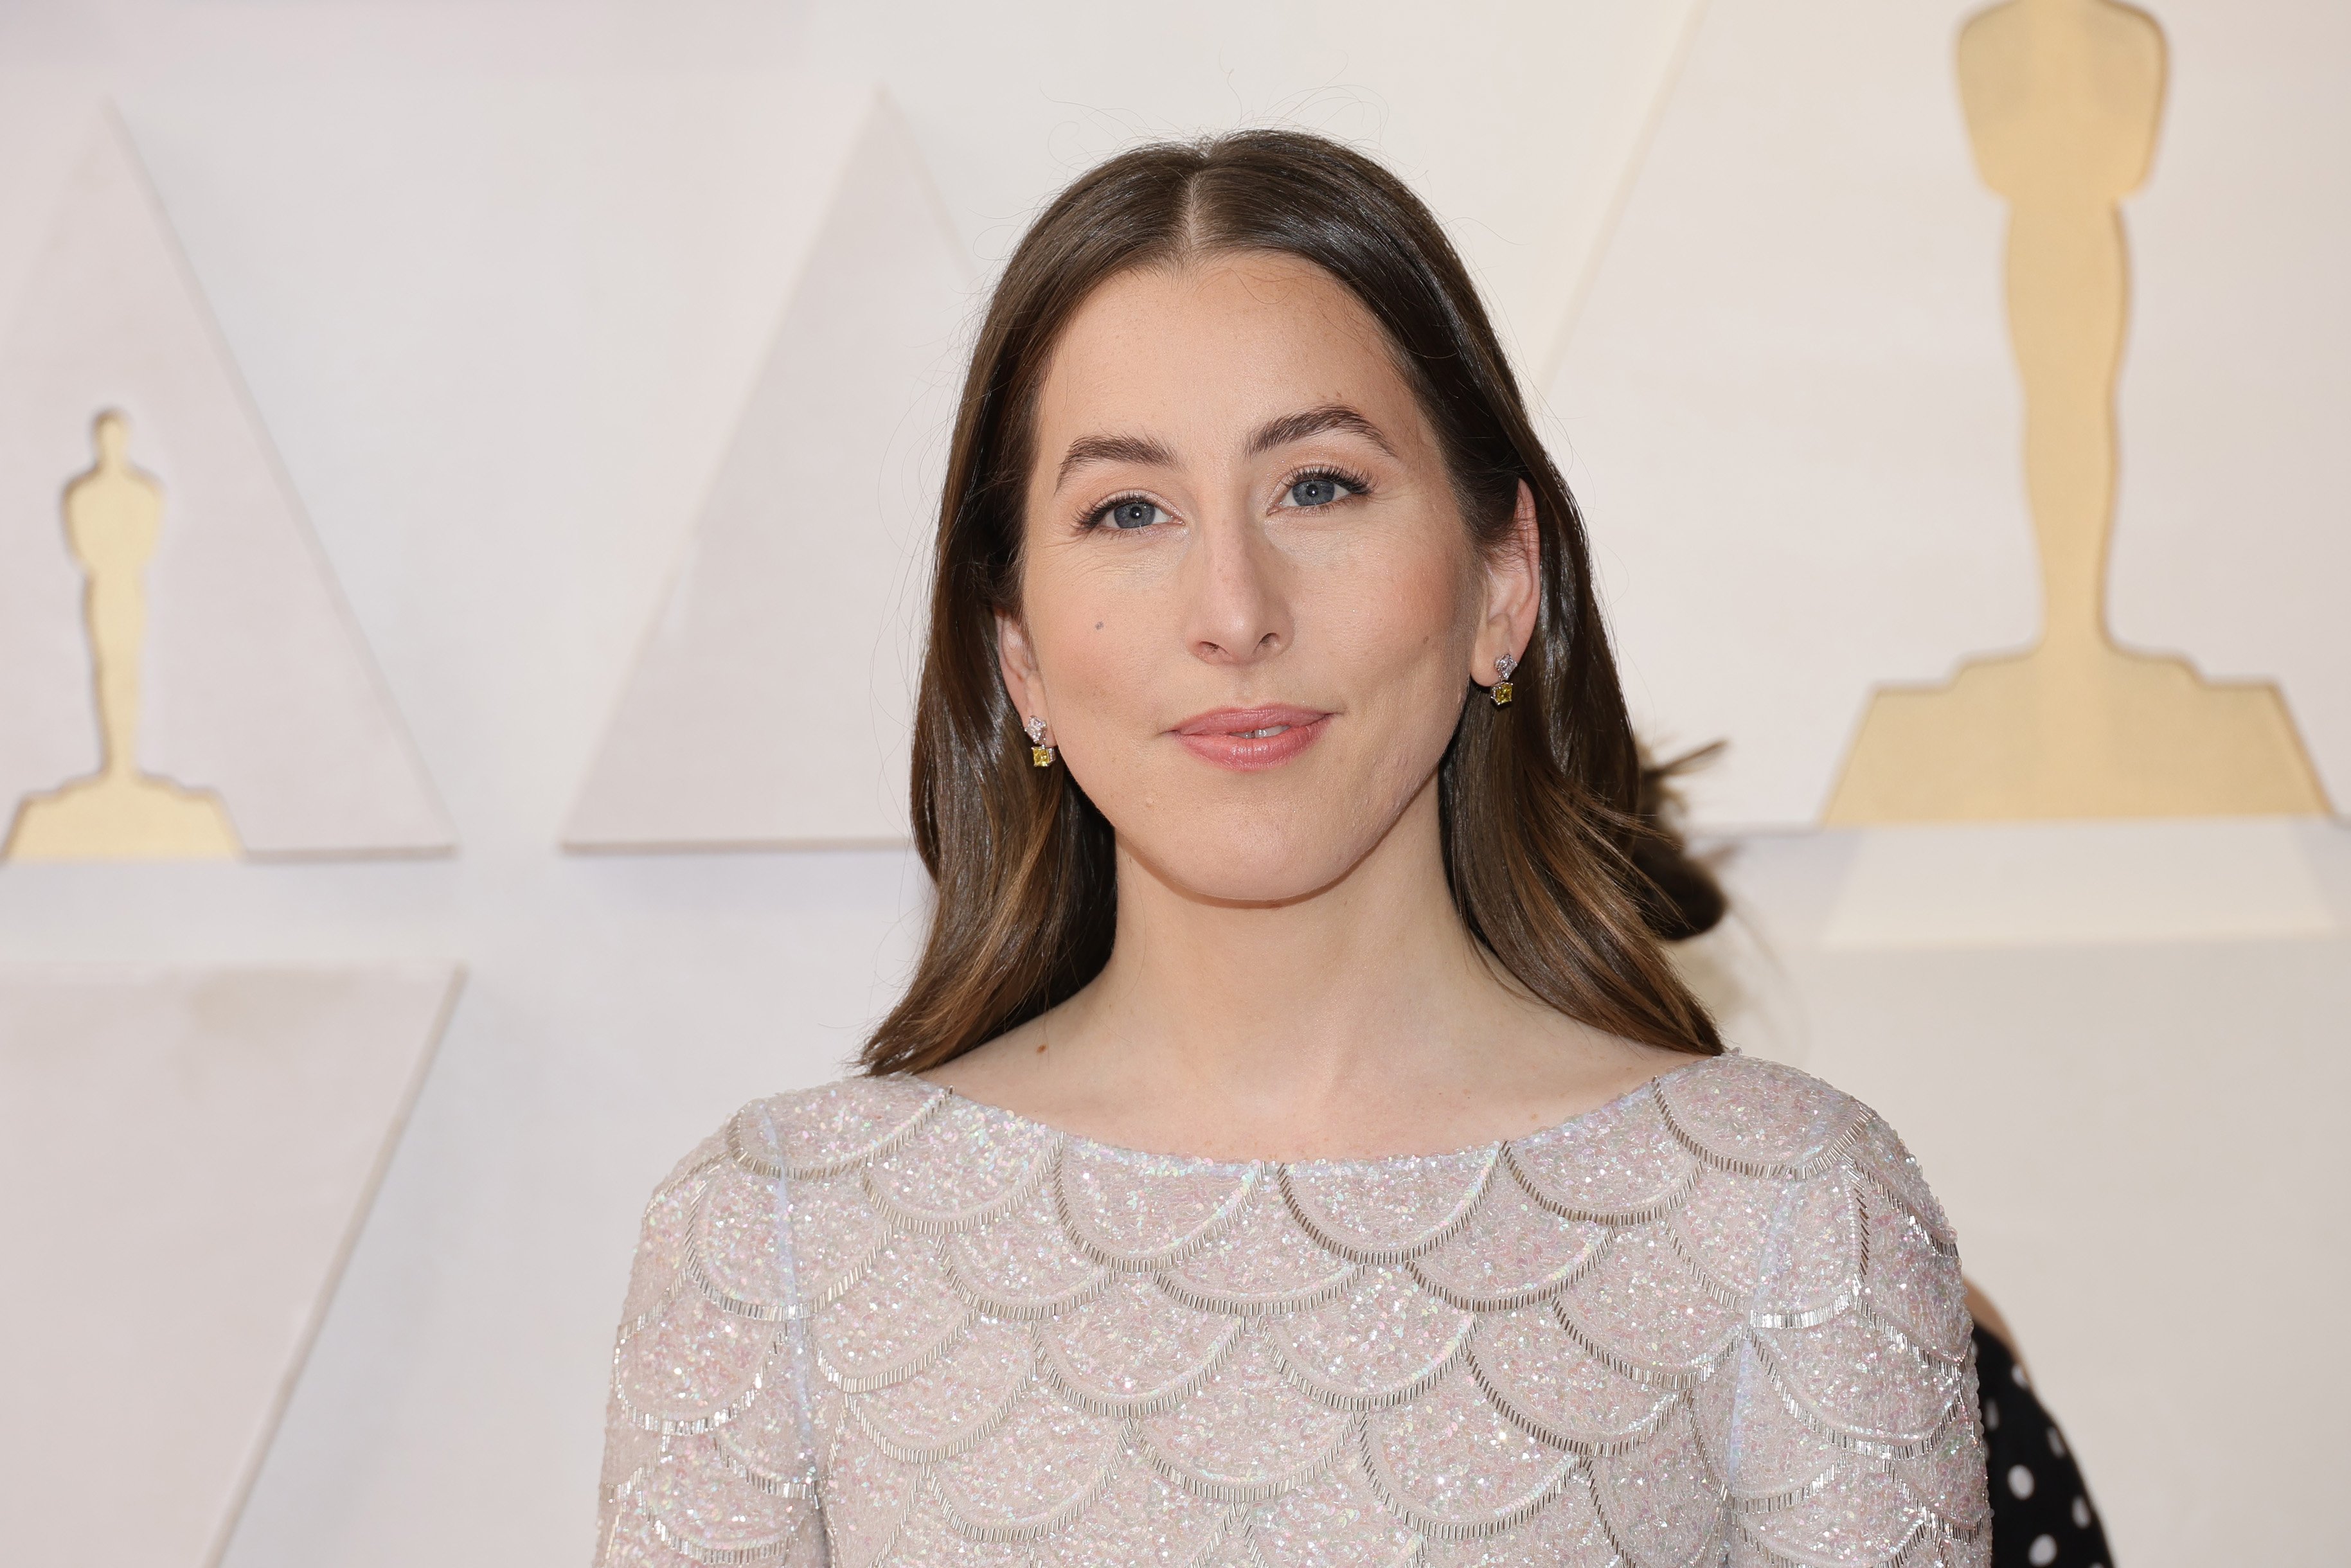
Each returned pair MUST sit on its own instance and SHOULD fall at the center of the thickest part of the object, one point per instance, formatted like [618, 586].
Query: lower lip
[1245, 754]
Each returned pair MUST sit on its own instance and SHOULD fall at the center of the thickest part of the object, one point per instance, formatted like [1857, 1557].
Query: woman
[1274, 776]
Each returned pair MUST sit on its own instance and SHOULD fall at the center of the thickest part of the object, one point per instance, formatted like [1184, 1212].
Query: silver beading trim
[775, 1169]
[1355, 1401]
[1436, 1527]
[1551, 1436]
[1248, 1494]
[1675, 1195]
[1428, 1241]
[1819, 1163]
[1064, 1379]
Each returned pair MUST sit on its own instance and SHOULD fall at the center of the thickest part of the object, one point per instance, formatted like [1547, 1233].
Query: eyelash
[1355, 484]
[1099, 517]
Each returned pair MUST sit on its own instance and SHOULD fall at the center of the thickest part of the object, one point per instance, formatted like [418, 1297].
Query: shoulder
[713, 1217]
[1758, 1118]
[813, 1132]
[1805, 1196]
[1762, 1120]
[1799, 1204]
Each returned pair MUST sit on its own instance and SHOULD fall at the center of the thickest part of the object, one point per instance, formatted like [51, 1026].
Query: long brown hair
[1545, 838]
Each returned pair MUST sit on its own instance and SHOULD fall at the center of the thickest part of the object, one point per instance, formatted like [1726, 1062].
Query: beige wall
[501, 280]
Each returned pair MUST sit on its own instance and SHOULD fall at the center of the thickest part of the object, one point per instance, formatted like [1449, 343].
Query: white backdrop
[500, 278]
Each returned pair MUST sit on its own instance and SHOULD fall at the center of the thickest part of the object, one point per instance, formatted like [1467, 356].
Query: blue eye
[1134, 514]
[1319, 490]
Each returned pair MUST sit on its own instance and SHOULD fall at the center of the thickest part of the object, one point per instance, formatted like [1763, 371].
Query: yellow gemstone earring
[1040, 754]
[1502, 667]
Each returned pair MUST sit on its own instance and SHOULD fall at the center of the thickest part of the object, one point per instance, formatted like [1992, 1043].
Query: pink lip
[1223, 736]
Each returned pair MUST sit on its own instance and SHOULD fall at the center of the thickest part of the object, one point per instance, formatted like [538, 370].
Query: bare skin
[1237, 505]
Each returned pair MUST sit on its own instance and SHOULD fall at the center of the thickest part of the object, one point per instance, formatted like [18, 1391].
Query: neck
[1294, 1004]
[1362, 1019]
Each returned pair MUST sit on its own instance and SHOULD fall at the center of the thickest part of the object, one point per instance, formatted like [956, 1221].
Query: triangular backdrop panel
[256, 683]
[193, 1151]
[1789, 404]
[770, 705]
[2232, 538]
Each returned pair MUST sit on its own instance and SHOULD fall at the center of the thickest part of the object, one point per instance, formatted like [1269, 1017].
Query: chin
[1254, 856]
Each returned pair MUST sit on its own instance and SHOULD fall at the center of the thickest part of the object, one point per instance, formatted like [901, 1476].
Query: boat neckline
[1210, 1163]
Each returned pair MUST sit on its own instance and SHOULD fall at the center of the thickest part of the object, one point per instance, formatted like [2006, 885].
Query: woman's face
[1250, 604]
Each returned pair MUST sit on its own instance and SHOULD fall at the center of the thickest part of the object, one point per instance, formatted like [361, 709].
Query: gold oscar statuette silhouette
[113, 514]
[2063, 98]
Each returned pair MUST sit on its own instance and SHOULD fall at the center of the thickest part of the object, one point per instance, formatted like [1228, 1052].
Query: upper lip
[1239, 720]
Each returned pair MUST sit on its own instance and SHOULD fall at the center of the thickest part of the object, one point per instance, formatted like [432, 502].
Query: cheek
[1408, 651]
[1401, 619]
[1100, 643]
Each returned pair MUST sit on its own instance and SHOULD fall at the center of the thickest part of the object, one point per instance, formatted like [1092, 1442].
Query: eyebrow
[1089, 449]
[1143, 450]
[1311, 422]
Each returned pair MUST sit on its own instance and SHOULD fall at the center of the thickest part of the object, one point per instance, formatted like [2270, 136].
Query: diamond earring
[1040, 754]
[1502, 692]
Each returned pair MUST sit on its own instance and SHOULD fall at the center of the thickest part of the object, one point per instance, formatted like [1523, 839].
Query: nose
[1238, 609]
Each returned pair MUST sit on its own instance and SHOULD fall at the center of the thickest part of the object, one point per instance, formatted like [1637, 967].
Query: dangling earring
[1040, 754]
[1502, 693]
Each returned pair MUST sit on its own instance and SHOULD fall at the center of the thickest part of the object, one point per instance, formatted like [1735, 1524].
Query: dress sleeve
[1853, 1436]
[710, 1454]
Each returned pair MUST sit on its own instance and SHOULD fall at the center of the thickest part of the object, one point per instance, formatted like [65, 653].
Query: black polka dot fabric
[2041, 1511]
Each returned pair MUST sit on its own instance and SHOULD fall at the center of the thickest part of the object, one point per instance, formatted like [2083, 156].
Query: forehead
[1199, 352]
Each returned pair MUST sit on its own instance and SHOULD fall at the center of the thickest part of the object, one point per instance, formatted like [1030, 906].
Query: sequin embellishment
[1718, 1321]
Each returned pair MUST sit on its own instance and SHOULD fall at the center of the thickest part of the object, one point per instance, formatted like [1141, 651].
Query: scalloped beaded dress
[1718, 1321]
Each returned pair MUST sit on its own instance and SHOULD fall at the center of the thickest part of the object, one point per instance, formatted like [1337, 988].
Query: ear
[1017, 660]
[1513, 593]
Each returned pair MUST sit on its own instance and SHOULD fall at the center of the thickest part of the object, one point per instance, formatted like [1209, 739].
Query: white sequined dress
[1717, 1320]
